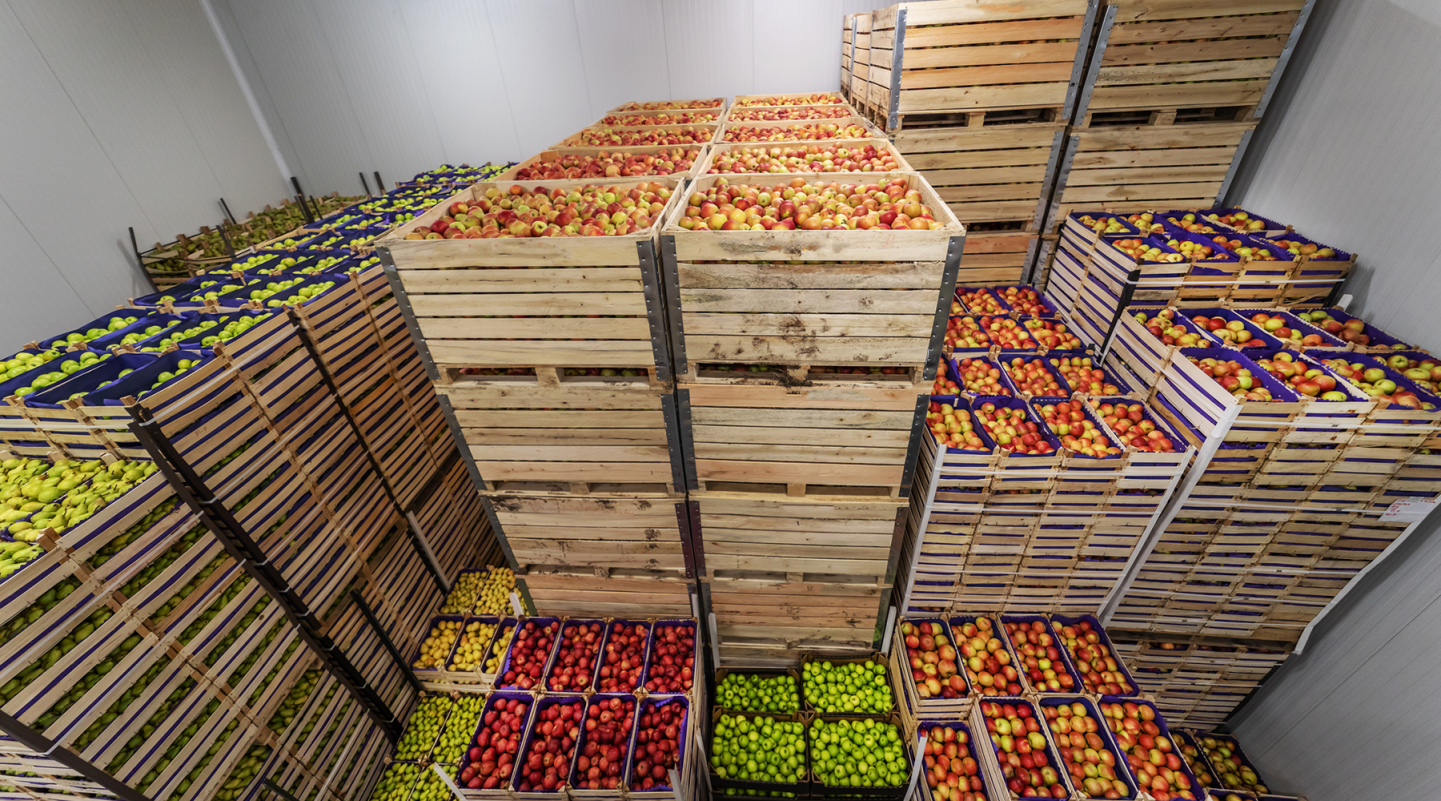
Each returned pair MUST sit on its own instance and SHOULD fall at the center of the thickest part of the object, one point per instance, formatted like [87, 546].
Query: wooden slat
[817, 350]
[1185, 73]
[801, 436]
[1231, 93]
[800, 301]
[1146, 175]
[534, 328]
[1125, 55]
[871, 275]
[578, 420]
[620, 472]
[1029, 193]
[983, 97]
[954, 167]
[479, 280]
[1160, 159]
[1010, 74]
[801, 418]
[537, 304]
[949, 140]
[798, 473]
[1097, 194]
[1130, 10]
[810, 325]
[818, 453]
[495, 353]
[988, 54]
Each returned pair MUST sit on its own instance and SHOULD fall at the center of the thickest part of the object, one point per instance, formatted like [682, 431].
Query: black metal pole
[226, 206]
[364, 184]
[41, 744]
[221, 523]
[275, 788]
[300, 198]
[140, 261]
[1127, 292]
[379, 184]
[395, 655]
[229, 248]
[309, 341]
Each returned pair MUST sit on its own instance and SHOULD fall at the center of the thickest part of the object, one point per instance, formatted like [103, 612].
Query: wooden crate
[1189, 60]
[997, 258]
[789, 99]
[881, 145]
[817, 440]
[624, 593]
[662, 105]
[1143, 167]
[771, 619]
[977, 56]
[693, 153]
[987, 173]
[852, 298]
[786, 131]
[591, 302]
[654, 118]
[749, 531]
[611, 137]
[601, 533]
[860, 86]
[576, 438]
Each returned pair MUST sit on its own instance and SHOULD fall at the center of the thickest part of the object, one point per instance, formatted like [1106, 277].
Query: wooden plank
[806, 350]
[810, 325]
[524, 438]
[800, 473]
[534, 328]
[992, 210]
[821, 538]
[958, 166]
[572, 419]
[869, 399]
[1010, 74]
[1125, 55]
[828, 301]
[942, 12]
[615, 472]
[949, 140]
[1153, 137]
[801, 436]
[1184, 73]
[1130, 10]
[483, 279]
[800, 418]
[870, 275]
[516, 396]
[530, 304]
[983, 97]
[965, 194]
[771, 452]
[1236, 93]
[1146, 175]
[1161, 159]
[493, 353]
[982, 33]
[1035, 52]
[1097, 194]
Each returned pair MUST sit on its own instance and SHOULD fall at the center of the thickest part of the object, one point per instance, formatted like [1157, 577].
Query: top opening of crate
[802, 244]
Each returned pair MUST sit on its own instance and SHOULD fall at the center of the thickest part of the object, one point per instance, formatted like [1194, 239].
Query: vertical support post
[1235, 166]
[226, 207]
[1084, 104]
[927, 499]
[1078, 67]
[1285, 58]
[898, 61]
[300, 198]
[913, 447]
[229, 248]
[655, 307]
[954, 249]
[1062, 176]
[365, 185]
[687, 438]
[379, 184]
[140, 261]
[1127, 293]
[670, 278]
[402, 300]
[1053, 163]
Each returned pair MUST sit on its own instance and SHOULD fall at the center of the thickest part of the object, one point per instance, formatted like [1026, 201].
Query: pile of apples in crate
[1016, 379]
[589, 704]
[835, 717]
[1063, 715]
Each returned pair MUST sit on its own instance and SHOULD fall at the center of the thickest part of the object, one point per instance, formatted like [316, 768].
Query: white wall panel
[38, 300]
[624, 46]
[792, 41]
[298, 69]
[92, 48]
[546, 77]
[1351, 150]
[59, 183]
[395, 119]
[451, 41]
[710, 48]
[183, 50]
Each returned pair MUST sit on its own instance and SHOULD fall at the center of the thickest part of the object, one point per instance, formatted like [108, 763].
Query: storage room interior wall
[400, 86]
[117, 113]
[1352, 147]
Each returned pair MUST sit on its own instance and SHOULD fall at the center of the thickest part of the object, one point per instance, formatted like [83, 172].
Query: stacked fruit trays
[1195, 681]
[1189, 258]
[134, 640]
[977, 97]
[675, 124]
[790, 344]
[556, 377]
[1043, 471]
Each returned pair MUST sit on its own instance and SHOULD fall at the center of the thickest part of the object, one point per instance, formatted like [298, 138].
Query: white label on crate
[1409, 510]
[515, 604]
[454, 789]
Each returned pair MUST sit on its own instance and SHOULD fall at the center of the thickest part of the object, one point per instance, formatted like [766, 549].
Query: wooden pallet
[853, 298]
[987, 173]
[976, 56]
[1139, 168]
[1189, 55]
[818, 440]
[584, 302]
[771, 619]
[625, 593]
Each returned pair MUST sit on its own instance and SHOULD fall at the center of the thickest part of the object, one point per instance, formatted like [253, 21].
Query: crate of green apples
[760, 755]
[859, 758]
[854, 687]
[1228, 765]
[758, 691]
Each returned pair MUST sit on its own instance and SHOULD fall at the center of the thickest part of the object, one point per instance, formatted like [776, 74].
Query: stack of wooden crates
[802, 361]
[1172, 95]
[551, 361]
[977, 96]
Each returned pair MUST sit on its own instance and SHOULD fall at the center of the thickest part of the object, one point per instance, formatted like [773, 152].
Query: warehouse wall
[116, 113]
[399, 86]
[1351, 151]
